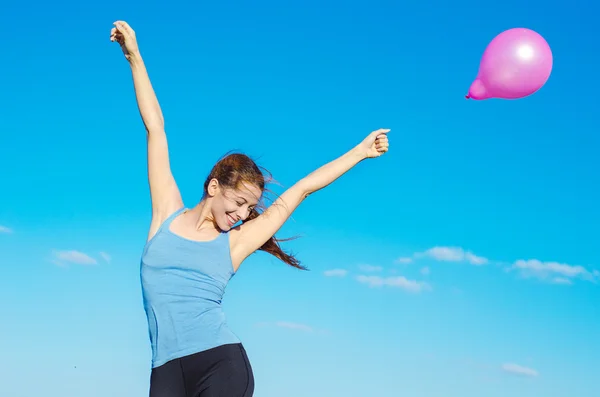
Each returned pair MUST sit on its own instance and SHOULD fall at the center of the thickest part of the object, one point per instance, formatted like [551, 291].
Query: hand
[125, 36]
[375, 144]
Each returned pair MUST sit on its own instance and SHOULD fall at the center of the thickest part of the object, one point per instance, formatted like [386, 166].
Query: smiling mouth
[230, 220]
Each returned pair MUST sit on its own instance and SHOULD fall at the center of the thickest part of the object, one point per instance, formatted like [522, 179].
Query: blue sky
[461, 264]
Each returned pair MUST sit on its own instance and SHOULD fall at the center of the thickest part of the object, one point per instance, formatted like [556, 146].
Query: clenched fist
[123, 34]
[375, 144]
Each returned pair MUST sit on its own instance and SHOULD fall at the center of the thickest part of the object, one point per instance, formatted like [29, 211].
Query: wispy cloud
[519, 370]
[106, 257]
[452, 254]
[561, 280]
[370, 268]
[5, 229]
[294, 326]
[551, 272]
[394, 282]
[425, 271]
[335, 273]
[404, 260]
[554, 272]
[62, 258]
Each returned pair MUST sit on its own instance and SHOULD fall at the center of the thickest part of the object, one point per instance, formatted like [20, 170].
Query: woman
[191, 254]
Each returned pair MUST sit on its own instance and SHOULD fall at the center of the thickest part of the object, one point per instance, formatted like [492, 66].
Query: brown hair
[234, 169]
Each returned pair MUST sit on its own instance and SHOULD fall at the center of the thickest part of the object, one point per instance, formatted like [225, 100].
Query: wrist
[358, 153]
[134, 58]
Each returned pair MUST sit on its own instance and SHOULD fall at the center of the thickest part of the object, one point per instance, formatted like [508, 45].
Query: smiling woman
[191, 254]
[234, 188]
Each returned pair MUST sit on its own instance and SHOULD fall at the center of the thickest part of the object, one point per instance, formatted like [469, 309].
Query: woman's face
[233, 205]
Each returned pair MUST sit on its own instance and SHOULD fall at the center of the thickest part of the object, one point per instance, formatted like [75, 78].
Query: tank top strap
[170, 218]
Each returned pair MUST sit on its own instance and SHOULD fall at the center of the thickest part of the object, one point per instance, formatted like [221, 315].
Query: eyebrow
[242, 198]
[239, 196]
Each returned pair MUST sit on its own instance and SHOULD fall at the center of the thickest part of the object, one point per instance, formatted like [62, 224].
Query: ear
[213, 187]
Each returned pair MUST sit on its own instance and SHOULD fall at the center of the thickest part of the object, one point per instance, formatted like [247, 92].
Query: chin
[224, 224]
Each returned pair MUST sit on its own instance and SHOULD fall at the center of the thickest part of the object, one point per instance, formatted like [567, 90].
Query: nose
[239, 215]
[243, 213]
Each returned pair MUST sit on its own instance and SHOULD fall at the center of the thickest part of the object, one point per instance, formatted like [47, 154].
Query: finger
[380, 137]
[125, 28]
[381, 131]
[119, 28]
[116, 27]
[378, 132]
[118, 37]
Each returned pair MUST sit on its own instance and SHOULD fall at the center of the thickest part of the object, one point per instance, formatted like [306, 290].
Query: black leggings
[223, 371]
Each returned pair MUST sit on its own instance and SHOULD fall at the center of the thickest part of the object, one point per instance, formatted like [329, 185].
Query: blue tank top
[183, 282]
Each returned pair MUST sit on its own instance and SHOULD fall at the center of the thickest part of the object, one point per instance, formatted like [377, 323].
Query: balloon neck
[477, 90]
[467, 96]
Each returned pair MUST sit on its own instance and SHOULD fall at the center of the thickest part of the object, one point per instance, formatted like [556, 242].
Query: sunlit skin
[226, 214]
[217, 213]
[222, 208]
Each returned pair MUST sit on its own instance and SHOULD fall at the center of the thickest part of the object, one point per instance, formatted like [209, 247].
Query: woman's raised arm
[164, 192]
[254, 233]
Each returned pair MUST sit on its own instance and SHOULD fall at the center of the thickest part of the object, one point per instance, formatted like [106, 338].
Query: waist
[175, 332]
[179, 313]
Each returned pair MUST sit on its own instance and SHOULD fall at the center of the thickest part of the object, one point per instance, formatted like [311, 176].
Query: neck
[202, 217]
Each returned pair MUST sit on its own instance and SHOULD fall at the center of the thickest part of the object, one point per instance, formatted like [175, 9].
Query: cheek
[226, 206]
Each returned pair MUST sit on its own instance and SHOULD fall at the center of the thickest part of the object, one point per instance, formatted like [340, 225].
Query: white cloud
[561, 280]
[294, 326]
[474, 259]
[404, 260]
[76, 257]
[370, 268]
[554, 272]
[335, 273]
[515, 369]
[106, 257]
[453, 254]
[394, 282]
[445, 254]
[425, 271]
[4, 229]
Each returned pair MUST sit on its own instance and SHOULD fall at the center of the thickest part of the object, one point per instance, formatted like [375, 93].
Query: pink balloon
[514, 65]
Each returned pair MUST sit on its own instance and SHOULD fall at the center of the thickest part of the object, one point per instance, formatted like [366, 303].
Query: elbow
[304, 189]
[155, 126]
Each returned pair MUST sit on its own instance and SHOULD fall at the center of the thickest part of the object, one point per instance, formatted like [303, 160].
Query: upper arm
[253, 234]
[164, 193]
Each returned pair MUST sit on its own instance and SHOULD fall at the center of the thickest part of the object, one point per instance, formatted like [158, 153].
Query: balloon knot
[468, 97]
